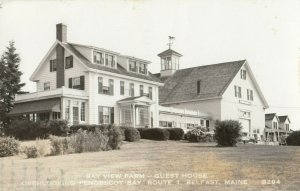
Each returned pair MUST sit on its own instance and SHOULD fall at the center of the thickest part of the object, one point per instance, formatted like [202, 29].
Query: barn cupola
[169, 60]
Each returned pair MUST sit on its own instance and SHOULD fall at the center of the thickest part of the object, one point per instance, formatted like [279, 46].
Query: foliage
[31, 152]
[131, 134]
[9, 146]
[29, 130]
[10, 83]
[154, 133]
[108, 138]
[199, 135]
[227, 132]
[293, 139]
[58, 127]
[175, 133]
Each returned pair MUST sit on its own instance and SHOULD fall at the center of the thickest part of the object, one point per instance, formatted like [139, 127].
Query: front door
[245, 126]
[75, 115]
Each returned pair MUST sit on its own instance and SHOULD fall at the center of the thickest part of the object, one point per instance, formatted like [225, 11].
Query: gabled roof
[283, 118]
[136, 99]
[73, 51]
[270, 117]
[169, 52]
[214, 81]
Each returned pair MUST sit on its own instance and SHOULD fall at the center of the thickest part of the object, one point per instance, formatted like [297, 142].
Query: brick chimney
[61, 35]
[61, 32]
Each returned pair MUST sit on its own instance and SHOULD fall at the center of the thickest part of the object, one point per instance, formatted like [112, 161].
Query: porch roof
[40, 106]
[137, 99]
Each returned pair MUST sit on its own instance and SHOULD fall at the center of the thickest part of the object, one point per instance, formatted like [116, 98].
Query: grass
[157, 162]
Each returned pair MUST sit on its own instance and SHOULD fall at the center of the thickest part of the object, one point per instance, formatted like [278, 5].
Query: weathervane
[171, 38]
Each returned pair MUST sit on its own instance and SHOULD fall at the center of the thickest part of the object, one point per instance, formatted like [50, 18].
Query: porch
[135, 112]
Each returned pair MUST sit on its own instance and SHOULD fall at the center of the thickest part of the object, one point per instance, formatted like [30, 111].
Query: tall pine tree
[10, 82]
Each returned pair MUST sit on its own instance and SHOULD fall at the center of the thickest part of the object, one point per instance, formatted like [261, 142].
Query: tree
[10, 82]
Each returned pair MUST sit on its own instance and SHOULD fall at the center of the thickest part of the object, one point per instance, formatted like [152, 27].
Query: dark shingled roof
[182, 85]
[269, 116]
[282, 118]
[169, 52]
[119, 70]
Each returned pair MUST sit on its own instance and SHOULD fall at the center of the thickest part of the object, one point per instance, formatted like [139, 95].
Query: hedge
[9, 146]
[293, 139]
[175, 133]
[154, 133]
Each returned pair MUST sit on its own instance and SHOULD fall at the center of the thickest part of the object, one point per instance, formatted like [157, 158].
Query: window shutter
[100, 114]
[112, 115]
[82, 82]
[100, 84]
[50, 66]
[235, 91]
[70, 82]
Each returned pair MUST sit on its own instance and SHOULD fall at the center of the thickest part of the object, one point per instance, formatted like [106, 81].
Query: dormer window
[132, 66]
[98, 58]
[243, 74]
[109, 60]
[143, 68]
[198, 86]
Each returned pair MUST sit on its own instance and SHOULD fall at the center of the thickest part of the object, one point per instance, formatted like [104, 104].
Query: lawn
[158, 165]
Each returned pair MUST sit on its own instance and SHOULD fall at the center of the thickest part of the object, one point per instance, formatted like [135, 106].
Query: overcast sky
[266, 33]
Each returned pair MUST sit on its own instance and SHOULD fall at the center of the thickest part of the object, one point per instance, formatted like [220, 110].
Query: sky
[265, 33]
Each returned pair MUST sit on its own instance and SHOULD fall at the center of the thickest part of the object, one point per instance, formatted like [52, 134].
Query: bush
[227, 132]
[131, 134]
[199, 135]
[109, 138]
[293, 139]
[29, 130]
[9, 146]
[154, 133]
[176, 133]
[31, 152]
[58, 127]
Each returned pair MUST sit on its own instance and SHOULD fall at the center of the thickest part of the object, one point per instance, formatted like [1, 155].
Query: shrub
[27, 130]
[41, 147]
[58, 127]
[131, 134]
[154, 133]
[9, 146]
[293, 139]
[227, 132]
[109, 138]
[199, 135]
[176, 133]
[31, 152]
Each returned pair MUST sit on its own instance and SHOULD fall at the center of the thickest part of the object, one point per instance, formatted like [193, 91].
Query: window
[238, 91]
[143, 68]
[202, 122]
[69, 62]
[275, 125]
[46, 86]
[109, 60]
[198, 86]
[287, 127]
[98, 58]
[107, 90]
[150, 92]
[53, 66]
[132, 66]
[131, 90]
[207, 123]
[111, 87]
[67, 110]
[77, 83]
[106, 115]
[243, 74]
[82, 111]
[249, 95]
[122, 88]
[141, 90]
[55, 115]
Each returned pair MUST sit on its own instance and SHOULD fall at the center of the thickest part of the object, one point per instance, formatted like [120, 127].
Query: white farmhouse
[86, 84]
